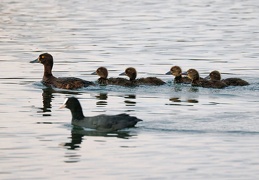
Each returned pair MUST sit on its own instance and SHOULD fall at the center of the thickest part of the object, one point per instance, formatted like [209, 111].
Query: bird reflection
[102, 97]
[77, 134]
[47, 97]
[178, 100]
[77, 137]
[130, 102]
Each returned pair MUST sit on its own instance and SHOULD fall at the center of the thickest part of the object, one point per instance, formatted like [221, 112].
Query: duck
[193, 74]
[132, 74]
[177, 72]
[102, 72]
[103, 123]
[216, 76]
[58, 82]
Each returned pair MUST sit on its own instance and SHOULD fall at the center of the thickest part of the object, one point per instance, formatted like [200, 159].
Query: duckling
[193, 74]
[103, 80]
[132, 74]
[60, 82]
[177, 72]
[103, 123]
[215, 75]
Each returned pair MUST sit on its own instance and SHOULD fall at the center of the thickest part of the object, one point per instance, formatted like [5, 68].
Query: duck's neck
[196, 81]
[48, 71]
[178, 79]
[102, 81]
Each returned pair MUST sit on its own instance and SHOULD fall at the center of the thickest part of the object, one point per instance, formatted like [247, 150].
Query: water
[186, 132]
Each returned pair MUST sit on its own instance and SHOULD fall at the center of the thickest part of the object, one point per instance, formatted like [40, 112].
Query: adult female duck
[61, 82]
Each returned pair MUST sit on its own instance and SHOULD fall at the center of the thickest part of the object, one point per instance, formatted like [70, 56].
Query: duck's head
[175, 71]
[130, 72]
[102, 72]
[193, 74]
[45, 59]
[215, 76]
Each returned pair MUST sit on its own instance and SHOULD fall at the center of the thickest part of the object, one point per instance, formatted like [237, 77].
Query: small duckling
[104, 80]
[132, 74]
[61, 82]
[103, 123]
[215, 75]
[177, 72]
[193, 74]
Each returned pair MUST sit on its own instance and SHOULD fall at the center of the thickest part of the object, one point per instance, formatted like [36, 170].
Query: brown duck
[197, 81]
[176, 71]
[58, 82]
[216, 76]
[102, 72]
[132, 74]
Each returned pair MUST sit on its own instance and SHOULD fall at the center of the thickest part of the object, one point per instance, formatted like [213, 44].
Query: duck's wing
[150, 81]
[71, 83]
[235, 82]
[109, 123]
[120, 82]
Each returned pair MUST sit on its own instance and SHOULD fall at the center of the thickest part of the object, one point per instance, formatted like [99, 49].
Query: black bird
[104, 123]
[61, 82]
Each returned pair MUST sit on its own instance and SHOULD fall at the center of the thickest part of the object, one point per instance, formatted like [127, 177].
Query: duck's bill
[62, 106]
[168, 73]
[94, 73]
[35, 61]
[184, 73]
[122, 74]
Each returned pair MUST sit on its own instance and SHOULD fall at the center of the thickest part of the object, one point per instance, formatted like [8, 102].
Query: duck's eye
[42, 57]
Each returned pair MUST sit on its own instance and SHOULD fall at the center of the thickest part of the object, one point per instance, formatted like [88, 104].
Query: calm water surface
[186, 133]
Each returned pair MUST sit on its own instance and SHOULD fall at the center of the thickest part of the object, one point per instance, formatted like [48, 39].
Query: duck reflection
[130, 102]
[179, 101]
[47, 97]
[102, 97]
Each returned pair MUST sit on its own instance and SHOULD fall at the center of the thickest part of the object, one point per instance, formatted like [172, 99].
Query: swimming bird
[177, 72]
[104, 123]
[215, 75]
[193, 74]
[132, 74]
[102, 72]
[61, 82]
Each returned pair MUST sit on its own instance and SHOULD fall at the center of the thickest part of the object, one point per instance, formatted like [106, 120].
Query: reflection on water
[77, 134]
[77, 137]
[102, 97]
[47, 97]
[130, 102]
[177, 99]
